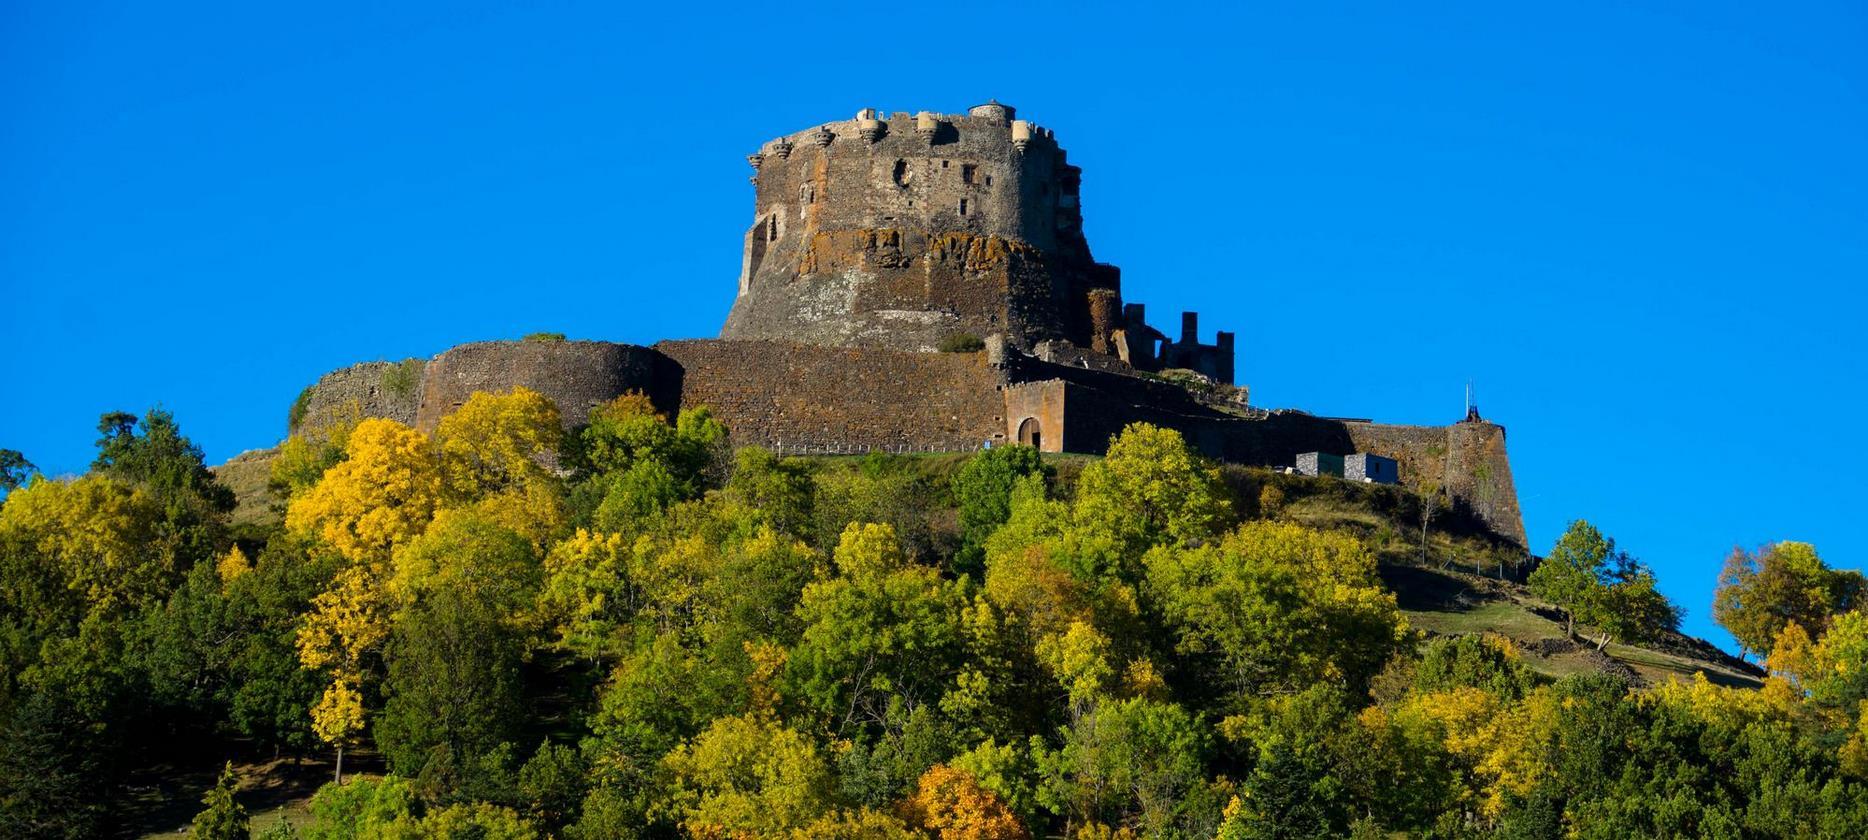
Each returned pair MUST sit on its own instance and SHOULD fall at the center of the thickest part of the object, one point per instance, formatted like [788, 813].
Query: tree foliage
[1783, 583]
[608, 632]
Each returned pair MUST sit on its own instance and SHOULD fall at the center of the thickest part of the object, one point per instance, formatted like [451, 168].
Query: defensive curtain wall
[809, 398]
[876, 241]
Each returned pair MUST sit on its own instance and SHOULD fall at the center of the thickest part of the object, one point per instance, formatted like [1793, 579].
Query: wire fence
[792, 447]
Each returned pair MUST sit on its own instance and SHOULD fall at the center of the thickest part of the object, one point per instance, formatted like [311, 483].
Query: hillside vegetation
[503, 630]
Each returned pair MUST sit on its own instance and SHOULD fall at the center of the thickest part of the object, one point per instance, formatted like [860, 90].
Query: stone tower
[900, 230]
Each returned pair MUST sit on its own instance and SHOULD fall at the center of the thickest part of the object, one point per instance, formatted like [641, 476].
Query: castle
[904, 231]
[922, 283]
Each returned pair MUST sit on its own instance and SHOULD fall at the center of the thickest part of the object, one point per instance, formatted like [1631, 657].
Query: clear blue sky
[1643, 231]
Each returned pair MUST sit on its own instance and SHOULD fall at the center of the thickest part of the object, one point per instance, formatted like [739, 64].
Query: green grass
[296, 813]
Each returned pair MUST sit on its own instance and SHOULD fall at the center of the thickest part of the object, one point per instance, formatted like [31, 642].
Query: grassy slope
[247, 475]
[1466, 582]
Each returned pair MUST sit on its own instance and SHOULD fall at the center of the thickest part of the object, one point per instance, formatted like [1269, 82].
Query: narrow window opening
[966, 173]
[963, 207]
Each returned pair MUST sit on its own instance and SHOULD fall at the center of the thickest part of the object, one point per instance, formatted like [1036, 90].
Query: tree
[380, 496]
[14, 470]
[1570, 576]
[881, 627]
[982, 489]
[464, 552]
[100, 540]
[774, 490]
[363, 807]
[1485, 662]
[223, 818]
[1593, 583]
[628, 430]
[338, 717]
[154, 453]
[453, 684]
[497, 443]
[1150, 489]
[748, 777]
[1783, 583]
[1136, 761]
[1276, 606]
[1285, 803]
[952, 805]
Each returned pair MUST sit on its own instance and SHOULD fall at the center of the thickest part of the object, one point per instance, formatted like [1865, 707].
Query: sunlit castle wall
[902, 230]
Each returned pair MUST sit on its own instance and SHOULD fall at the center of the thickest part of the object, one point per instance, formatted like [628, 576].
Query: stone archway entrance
[1029, 434]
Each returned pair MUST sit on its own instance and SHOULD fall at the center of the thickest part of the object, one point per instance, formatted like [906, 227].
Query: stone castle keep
[879, 242]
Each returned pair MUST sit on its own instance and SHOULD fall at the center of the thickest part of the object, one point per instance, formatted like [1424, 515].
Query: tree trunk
[1569, 625]
[340, 764]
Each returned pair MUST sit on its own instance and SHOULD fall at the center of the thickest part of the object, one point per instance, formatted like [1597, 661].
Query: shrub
[402, 377]
[296, 414]
[544, 337]
[962, 343]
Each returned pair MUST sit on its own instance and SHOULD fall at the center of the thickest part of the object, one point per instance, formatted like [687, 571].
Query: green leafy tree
[552, 785]
[14, 470]
[363, 807]
[748, 777]
[1487, 662]
[223, 818]
[56, 769]
[153, 452]
[1136, 762]
[879, 489]
[452, 688]
[982, 490]
[1571, 576]
[1285, 799]
[1783, 583]
[882, 627]
[776, 491]
[1594, 583]
[1276, 606]
[1150, 489]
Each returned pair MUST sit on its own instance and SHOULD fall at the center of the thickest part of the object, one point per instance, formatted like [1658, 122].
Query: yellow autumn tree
[952, 805]
[1504, 746]
[338, 717]
[347, 620]
[380, 496]
[100, 536]
[497, 443]
[747, 777]
[233, 564]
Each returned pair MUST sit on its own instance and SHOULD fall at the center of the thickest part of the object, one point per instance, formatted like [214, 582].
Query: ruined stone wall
[898, 231]
[1467, 459]
[575, 375]
[812, 397]
[772, 393]
[371, 389]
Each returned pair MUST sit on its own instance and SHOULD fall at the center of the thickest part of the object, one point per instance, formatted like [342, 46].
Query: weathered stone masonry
[873, 241]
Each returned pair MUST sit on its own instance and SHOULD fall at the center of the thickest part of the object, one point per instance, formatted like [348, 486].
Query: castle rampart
[575, 375]
[878, 239]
